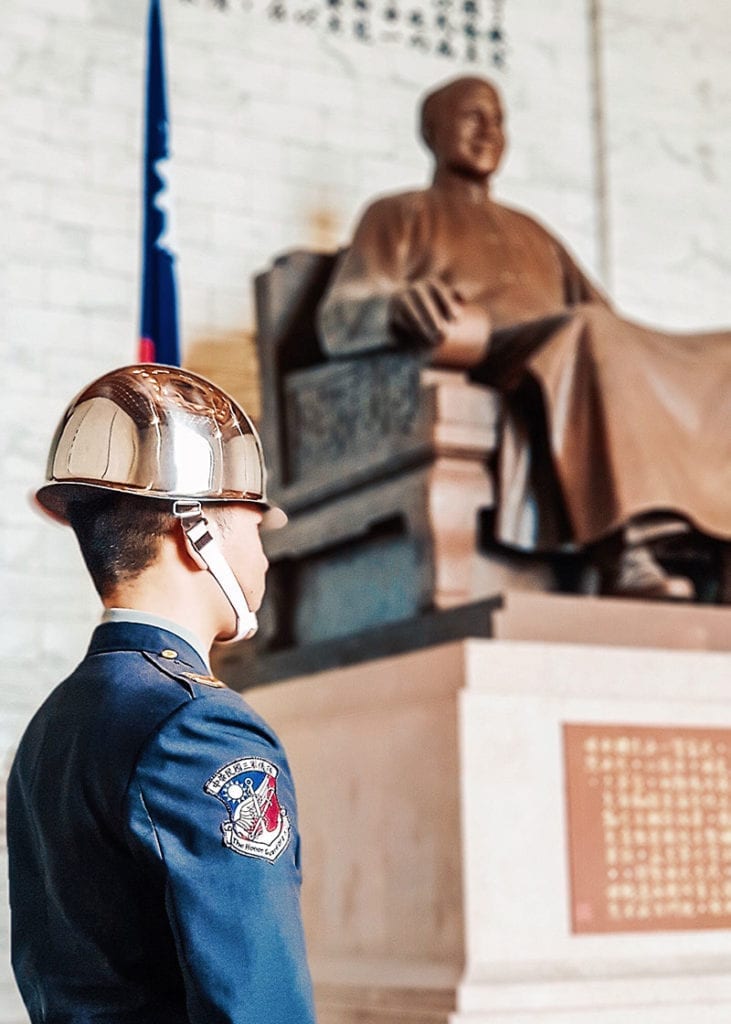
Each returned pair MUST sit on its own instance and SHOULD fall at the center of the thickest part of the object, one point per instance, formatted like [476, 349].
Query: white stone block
[36, 334]
[118, 43]
[193, 222]
[114, 88]
[195, 304]
[238, 152]
[192, 142]
[117, 210]
[117, 168]
[68, 244]
[26, 236]
[26, 282]
[194, 182]
[230, 229]
[115, 251]
[73, 10]
[276, 120]
[89, 290]
[114, 338]
[130, 17]
[26, 112]
[23, 25]
[118, 126]
[70, 203]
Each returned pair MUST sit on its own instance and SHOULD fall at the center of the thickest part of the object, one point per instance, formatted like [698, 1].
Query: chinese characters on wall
[466, 30]
[649, 815]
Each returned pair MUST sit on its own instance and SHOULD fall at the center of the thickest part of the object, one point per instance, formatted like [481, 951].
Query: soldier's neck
[174, 588]
[469, 188]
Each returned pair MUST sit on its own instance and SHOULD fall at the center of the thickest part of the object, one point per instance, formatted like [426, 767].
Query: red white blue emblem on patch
[257, 825]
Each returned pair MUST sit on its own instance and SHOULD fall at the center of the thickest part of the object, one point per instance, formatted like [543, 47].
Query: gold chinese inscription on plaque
[649, 822]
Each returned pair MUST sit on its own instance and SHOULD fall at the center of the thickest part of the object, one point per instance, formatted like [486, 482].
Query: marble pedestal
[433, 812]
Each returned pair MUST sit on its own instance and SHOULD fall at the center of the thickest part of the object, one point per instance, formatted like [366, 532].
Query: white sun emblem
[257, 824]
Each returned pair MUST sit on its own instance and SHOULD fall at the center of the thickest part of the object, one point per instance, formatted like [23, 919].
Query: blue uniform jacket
[154, 852]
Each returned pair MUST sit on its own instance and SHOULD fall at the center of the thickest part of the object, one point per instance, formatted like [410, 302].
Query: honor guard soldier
[152, 826]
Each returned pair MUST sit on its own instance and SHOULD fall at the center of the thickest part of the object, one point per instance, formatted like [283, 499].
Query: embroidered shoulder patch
[257, 824]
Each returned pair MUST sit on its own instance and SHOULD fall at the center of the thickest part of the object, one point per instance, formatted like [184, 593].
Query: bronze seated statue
[616, 438]
[455, 361]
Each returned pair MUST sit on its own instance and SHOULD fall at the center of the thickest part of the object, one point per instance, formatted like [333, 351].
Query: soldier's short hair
[119, 534]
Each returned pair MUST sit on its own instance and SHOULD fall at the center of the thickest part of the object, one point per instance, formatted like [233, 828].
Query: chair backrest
[286, 296]
[330, 425]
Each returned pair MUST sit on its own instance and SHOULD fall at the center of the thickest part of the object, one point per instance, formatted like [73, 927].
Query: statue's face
[467, 133]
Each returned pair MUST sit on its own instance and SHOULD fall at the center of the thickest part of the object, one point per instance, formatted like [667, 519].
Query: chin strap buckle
[195, 525]
[187, 509]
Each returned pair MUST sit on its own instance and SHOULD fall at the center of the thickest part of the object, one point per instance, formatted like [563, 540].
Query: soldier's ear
[187, 551]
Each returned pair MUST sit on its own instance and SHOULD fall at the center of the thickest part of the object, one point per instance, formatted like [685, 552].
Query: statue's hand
[422, 313]
[467, 338]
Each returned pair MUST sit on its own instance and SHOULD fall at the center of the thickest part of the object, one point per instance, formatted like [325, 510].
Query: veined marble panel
[667, 99]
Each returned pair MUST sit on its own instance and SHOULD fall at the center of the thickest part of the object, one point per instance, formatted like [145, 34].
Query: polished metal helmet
[160, 432]
[163, 432]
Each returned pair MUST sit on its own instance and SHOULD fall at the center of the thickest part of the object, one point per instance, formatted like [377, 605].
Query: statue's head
[462, 124]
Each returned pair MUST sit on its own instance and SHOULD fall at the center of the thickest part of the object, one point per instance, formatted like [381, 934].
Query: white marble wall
[666, 91]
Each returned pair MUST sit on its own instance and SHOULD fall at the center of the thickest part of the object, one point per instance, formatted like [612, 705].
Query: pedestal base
[435, 835]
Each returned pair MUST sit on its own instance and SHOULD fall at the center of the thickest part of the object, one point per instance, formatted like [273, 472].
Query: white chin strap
[198, 533]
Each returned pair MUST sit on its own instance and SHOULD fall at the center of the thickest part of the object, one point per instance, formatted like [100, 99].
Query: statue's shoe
[637, 574]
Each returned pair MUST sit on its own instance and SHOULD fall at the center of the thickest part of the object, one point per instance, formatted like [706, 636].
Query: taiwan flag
[159, 313]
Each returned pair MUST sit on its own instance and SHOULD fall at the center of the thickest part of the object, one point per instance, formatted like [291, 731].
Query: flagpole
[159, 339]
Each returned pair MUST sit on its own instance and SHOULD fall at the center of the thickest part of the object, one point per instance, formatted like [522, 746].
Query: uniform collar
[149, 619]
[123, 635]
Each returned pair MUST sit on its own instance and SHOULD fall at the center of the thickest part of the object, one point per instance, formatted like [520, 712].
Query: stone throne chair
[383, 466]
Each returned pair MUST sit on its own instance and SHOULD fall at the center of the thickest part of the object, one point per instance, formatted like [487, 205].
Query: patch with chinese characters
[257, 824]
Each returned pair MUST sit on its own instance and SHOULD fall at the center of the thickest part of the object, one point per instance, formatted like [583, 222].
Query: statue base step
[514, 615]
[618, 622]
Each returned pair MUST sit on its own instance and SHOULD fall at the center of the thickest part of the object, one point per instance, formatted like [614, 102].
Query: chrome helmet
[158, 431]
[162, 432]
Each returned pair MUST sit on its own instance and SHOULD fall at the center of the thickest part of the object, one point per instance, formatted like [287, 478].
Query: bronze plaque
[649, 827]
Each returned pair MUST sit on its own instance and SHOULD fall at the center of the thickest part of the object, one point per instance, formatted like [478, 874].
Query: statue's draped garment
[605, 420]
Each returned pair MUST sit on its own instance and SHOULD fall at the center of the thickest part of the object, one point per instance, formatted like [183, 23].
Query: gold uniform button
[167, 653]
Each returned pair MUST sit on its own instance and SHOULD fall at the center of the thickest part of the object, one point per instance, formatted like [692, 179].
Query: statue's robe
[605, 420]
